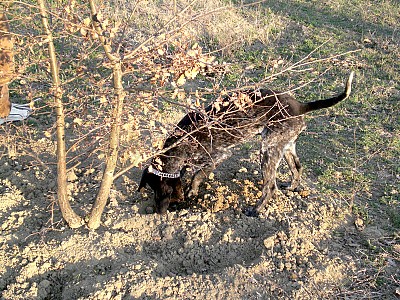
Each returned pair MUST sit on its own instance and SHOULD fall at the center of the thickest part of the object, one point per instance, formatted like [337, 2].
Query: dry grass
[217, 24]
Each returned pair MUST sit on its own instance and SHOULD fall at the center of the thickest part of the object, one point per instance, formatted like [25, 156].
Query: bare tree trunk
[73, 220]
[112, 155]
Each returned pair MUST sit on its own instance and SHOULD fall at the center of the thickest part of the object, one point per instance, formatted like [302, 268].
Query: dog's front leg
[177, 194]
[197, 179]
[163, 196]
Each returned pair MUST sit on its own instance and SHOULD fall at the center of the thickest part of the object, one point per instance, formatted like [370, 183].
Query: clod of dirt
[359, 223]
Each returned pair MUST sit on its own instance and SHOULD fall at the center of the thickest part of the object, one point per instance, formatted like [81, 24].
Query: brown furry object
[5, 104]
[6, 64]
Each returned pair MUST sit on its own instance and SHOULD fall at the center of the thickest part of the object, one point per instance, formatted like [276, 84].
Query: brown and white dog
[203, 139]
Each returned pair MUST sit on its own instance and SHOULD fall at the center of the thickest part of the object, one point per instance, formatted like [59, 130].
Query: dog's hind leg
[277, 142]
[294, 164]
[271, 157]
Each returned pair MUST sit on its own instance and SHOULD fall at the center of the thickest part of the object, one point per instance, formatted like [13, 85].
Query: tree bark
[73, 220]
[112, 153]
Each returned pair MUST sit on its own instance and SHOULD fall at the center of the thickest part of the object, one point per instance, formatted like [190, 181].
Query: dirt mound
[210, 249]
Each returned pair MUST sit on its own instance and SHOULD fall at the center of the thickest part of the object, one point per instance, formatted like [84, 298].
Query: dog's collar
[163, 174]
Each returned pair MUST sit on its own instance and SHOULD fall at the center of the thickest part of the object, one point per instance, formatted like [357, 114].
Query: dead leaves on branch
[84, 25]
[169, 60]
[241, 101]
[163, 63]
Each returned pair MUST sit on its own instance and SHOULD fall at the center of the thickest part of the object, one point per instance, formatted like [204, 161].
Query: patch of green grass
[391, 201]
[231, 79]
[394, 215]
[247, 146]
[257, 57]
[311, 43]
[362, 212]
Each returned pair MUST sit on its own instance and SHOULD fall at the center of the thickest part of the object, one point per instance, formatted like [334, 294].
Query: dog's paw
[291, 187]
[192, 194]
[284, 186]
[251, 212]
[296, 189]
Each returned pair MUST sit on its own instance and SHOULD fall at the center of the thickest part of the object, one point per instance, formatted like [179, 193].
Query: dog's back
[249, 109]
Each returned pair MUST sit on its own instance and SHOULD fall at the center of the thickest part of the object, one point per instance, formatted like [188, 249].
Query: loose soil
[304, 246]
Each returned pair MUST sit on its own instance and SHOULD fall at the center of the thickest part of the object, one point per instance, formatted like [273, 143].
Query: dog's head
[166, 190]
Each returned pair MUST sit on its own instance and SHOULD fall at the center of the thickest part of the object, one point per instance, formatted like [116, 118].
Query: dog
[202, 140]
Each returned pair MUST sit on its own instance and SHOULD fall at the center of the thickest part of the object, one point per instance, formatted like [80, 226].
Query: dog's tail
[319, 104]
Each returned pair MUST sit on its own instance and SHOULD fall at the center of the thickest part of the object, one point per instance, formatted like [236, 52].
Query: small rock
[359, 223]
[149, 210]
[44, 284]
[71, 176]
[305, 193]
[108, 222]
[311, 271]
[52, 184]
[281, 266]
[269, 242]
[290, 194]
[135, 208]
[182, 212]
[192, 218]
[45, 266]
[168, 233]
[206, 216]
